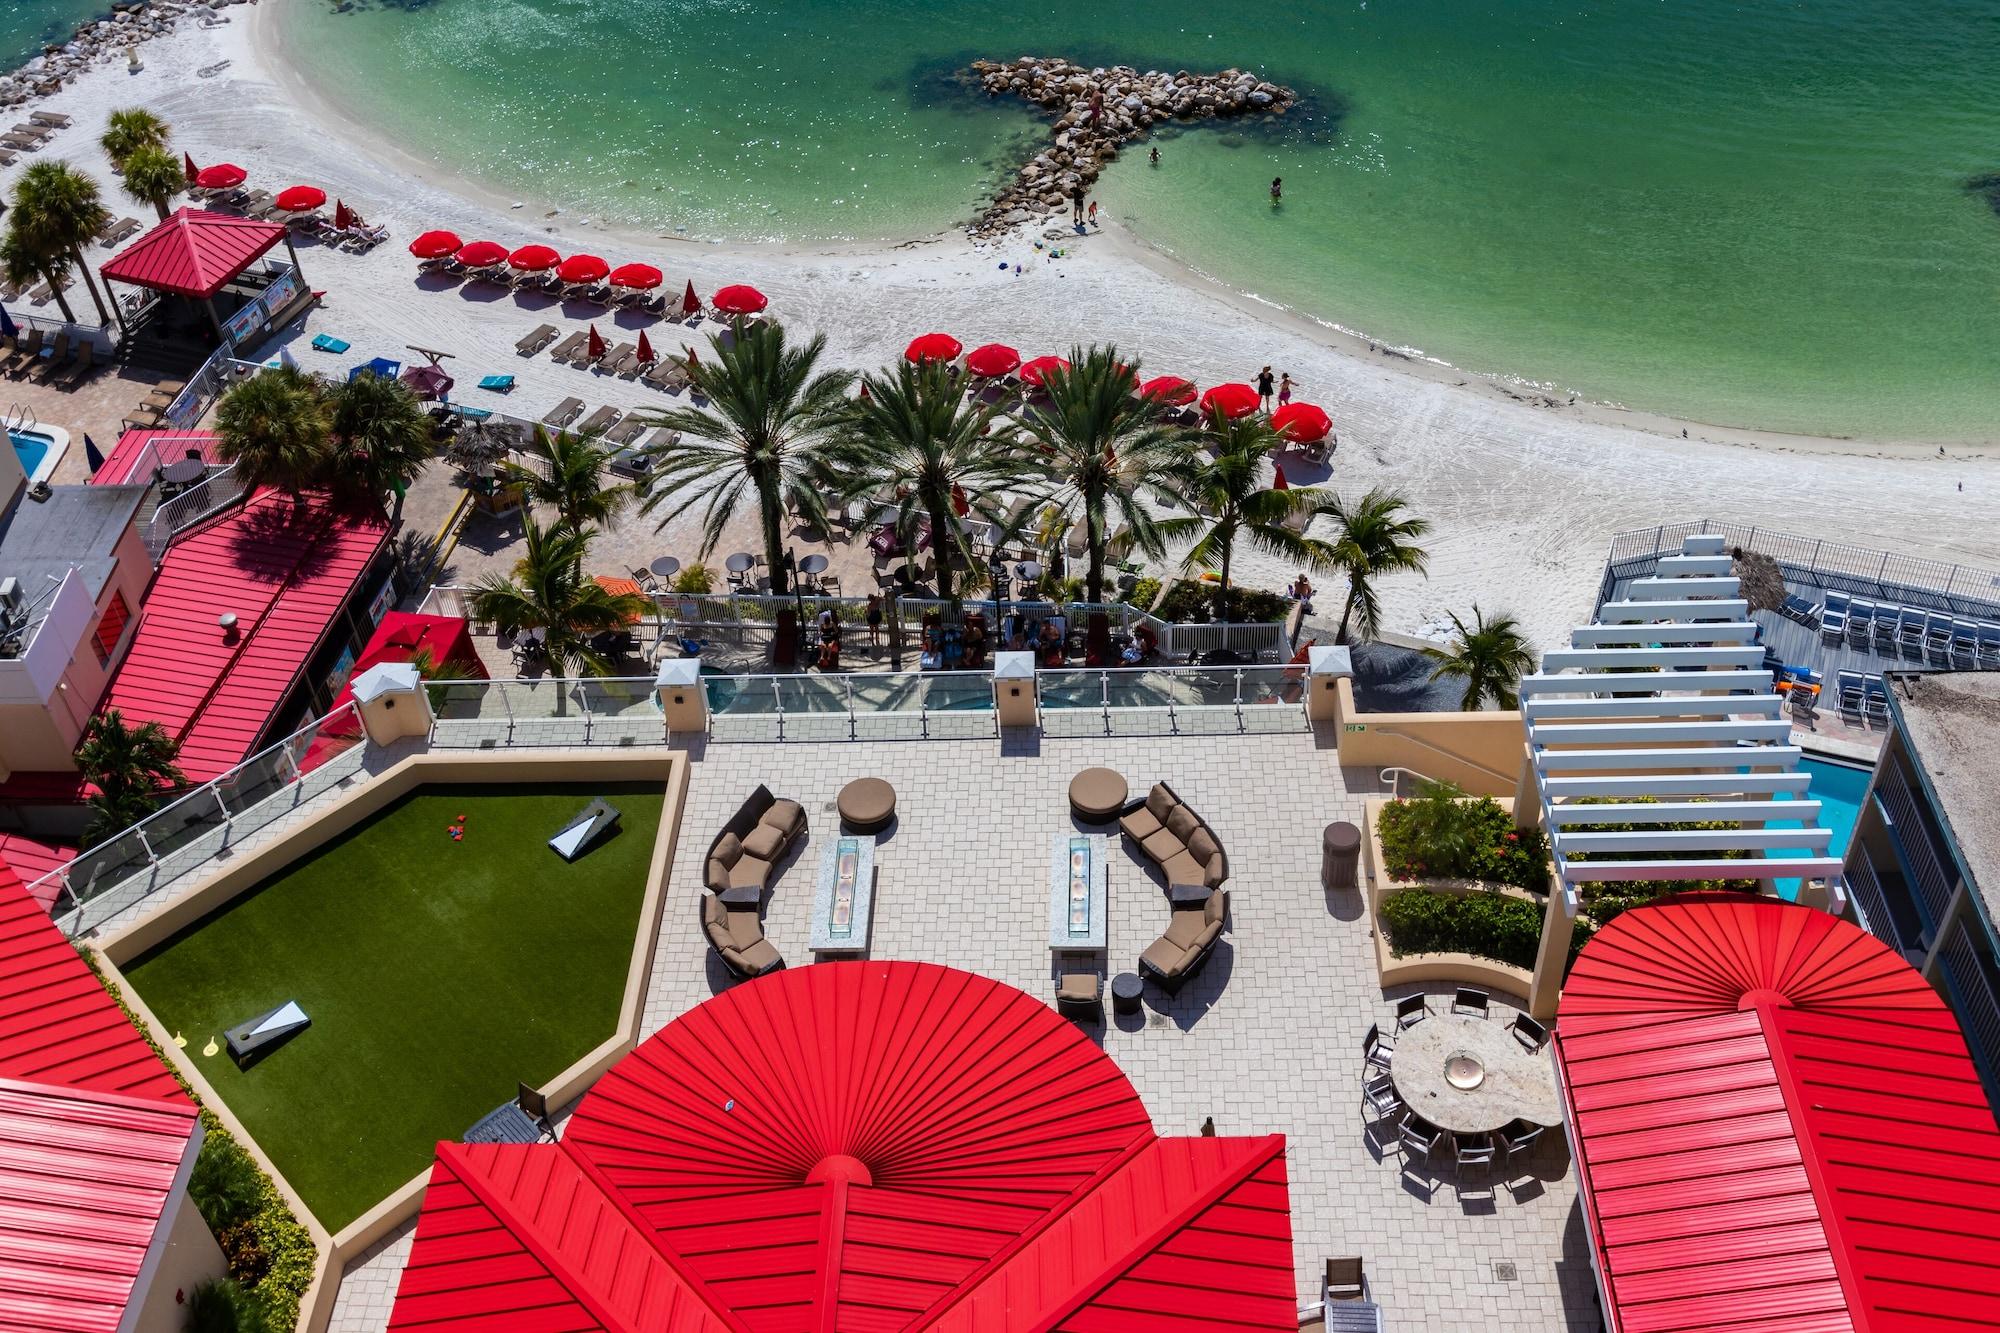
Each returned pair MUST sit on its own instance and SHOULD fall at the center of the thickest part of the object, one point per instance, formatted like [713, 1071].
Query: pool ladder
[20, 418]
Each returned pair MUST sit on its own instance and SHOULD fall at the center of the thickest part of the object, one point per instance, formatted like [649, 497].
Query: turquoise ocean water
[1749, 213]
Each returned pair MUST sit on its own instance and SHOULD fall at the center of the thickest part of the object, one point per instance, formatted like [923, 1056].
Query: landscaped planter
[1441, 968]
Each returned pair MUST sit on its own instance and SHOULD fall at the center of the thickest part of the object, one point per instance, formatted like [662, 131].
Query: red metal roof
[24, 860]
[123, 464]
[285, 573]
[860, 1147]
[194, 252]
[1777, 1126]
[85, 1179]
[58, 1025]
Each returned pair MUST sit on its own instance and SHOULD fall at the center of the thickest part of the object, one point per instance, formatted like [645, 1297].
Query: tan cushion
[1160, 801]
[788, 817]
[1218, 870]
[766, 843]
[1163, 955]
[1163, 846]
[1208, 934]
[1140, 824]
[1202, 846]
[1184, 929]
[1216, 907]
[727, 848]
[744, 929]
[749, 873]
[716, 874]
[866, 801]
[1182, 822]
[1097, 790]
[1180, 868]
[1079, 986]
[758, 958]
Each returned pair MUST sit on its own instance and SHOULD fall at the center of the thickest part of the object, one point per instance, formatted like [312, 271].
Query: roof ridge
[134, 1101]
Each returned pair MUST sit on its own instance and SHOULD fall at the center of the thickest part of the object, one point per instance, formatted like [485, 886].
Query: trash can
[1340, 859]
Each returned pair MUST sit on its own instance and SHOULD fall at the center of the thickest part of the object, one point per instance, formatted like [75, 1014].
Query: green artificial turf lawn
[437, 974]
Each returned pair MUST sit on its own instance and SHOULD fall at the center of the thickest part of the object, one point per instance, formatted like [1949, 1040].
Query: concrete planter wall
[1459, 969]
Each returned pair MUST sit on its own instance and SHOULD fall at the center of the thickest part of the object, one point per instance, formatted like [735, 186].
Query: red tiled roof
[169, 446]
[1777, 1124]
[85, 1179]
[194, 252]
[859, 1146]
[58, 1025]
[285, 574]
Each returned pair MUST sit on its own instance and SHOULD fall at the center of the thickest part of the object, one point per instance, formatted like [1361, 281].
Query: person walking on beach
[1277, 190]
[1076, 204]
[1093, 213]
[1284, 390]
[1266, 386]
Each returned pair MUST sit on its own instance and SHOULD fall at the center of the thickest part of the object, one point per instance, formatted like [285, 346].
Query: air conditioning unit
[10, 592]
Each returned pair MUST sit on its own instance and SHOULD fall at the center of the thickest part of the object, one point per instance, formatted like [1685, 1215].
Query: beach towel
[497, 383]
[326, 342]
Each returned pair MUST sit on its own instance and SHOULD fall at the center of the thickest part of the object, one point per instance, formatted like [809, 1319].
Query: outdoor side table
[1340, 856]
[743, 895]
[1126, 992]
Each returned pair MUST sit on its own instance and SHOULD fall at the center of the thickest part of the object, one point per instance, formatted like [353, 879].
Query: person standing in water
[1277, 189]
[1266, 386]
[1156, 156]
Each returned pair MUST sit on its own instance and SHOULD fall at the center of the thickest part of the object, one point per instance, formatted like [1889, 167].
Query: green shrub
[1441, 833]
[695, 579]
[1605, 901]
[1192, 602]
[1485, 924]
[227, 1185]
[1144, 593]
[223, 1306]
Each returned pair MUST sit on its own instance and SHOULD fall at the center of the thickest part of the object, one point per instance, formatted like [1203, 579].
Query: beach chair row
[1909, 631]
[30, 136]
[657, 302]
[1860, 695]
[622, 360]
[56, 362]
[618, 429]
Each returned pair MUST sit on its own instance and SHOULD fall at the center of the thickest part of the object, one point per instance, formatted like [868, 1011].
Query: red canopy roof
[1777, 1125]
[284, 574]
[859, 1145]
[193, 253]
[130, 464]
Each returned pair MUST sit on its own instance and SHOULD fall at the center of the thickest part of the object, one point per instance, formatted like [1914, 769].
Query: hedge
[1441, 833]
[1485, 924]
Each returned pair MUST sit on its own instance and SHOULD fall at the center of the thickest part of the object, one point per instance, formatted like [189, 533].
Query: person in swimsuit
[1284, 390]
[1266, 386]
[1277, 189]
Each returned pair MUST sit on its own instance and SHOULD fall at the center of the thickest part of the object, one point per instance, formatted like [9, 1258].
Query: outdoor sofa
[1175, 838]
[738, 936]
[747, 851]
[1191, 935]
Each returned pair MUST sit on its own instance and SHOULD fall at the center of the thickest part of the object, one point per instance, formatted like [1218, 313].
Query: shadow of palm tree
[275, 540]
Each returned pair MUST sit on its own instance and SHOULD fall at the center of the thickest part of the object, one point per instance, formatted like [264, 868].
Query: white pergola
[1662, 711]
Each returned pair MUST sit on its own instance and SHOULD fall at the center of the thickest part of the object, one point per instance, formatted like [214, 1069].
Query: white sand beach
[1524, 496]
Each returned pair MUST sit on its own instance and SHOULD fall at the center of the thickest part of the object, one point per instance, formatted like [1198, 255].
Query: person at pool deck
[874, 619]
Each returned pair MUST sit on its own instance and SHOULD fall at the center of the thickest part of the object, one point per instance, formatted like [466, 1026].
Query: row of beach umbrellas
[1301, 423]
[576, 269]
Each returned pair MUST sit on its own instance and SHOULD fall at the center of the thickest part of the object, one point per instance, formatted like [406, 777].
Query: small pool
[1839, 788]
[38, 448]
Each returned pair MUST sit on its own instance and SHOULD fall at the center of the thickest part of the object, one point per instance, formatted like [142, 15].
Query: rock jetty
[99, 40]
[1097, 112]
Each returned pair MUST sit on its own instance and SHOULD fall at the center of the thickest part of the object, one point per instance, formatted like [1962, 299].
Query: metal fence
[205, 386]
[486, 714]
[214, 817]
[1909, 580]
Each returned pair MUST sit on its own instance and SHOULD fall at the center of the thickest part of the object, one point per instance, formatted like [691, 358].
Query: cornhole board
[575, 837]
[252, 1040]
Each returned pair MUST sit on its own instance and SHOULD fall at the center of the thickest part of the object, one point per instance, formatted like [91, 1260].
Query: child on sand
[1093, 213]
[1284, 390]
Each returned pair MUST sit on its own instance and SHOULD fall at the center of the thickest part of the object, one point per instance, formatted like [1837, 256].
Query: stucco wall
[190, 1258]
[1485, 753]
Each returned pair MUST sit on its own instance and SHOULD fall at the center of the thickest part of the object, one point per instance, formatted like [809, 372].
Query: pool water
[1839, 789]
[31, 448]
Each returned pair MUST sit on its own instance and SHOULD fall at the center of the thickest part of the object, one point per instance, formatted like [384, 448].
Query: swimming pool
[38, 448]
[1839, 788]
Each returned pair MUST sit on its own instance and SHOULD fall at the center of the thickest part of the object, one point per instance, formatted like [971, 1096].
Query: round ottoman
[866, 805]
[1096, 795]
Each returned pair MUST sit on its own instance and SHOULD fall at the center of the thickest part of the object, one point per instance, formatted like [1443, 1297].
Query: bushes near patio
[1192, 602]
[1483, 923]
[1440, 833]
[1604, 901]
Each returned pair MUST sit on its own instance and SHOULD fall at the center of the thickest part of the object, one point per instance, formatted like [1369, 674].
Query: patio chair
[25, 352]
[1375, 1051]
[54, 358]
[1344, 1280]
[1412, 1009]
[537, 340]
[564, 412]
[1875, 698]
[1888, 625]
[1847, 684]
[603, 419]
[1381, 1095]
[626, 431]
[1079, 995]
[80, 366]
[1937, 637]
[1418, 1135]
[1528, 1032]
[1474, 1149]
[1964, 642]
[1471, 1000]
[1518, 1136]
[536, 1107]
[1860, 621]
[1989, 645]
[566, 350]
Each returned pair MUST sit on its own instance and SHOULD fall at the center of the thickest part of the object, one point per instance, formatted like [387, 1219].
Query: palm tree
[1490, 656]
[275, 428]
[24, 264]
[131, 769]
[772, 407]
[1376, 537]
[572, 479]
[57, 211]
[384, 434]
[154, 176]
[1099, 441]
[550, 593]
[918, 436]
[1231, 502]
[128, 131]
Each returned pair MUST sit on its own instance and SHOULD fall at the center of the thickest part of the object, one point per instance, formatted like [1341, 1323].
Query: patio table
[1469, 1075]
[1078, 893]
[740, 563]
[506, 1123]
[665, 567]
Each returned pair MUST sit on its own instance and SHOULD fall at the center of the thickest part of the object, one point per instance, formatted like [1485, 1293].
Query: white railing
[205, 386]
[1197, 698]
[125, 869]
[212, 494]
[844, 704]
[547, 710]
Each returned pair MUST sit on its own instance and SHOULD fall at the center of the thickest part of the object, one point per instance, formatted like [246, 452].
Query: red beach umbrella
[1278, 482]
[993, 360]
[1233, 400]
[193, 171]
[596, 347]
[436, 244]
[739, 300]
[300, 198]
[693, 360]
[534, 258]
[646, 348]
[1301, 423]
[1033, 371]
[582, 268]
[343, 216]
[933, 347]
[637, 277]
[1169, 389]
[221, 176]
[482, 254]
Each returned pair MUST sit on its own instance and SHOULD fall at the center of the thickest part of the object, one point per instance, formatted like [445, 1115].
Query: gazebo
[858, 1145]
[197, 254]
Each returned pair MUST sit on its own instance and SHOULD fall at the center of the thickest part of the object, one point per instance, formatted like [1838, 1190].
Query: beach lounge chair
[1964, 642]
[326, 342]
[497, 383]
[27, 143]
[537, 340]
[566, 351]
[124, 232]
[25, 352]
[1875, 698]
[39, 133]
[80, 366]
[48, 365]
[626, 431]
[670, 375]
[1847, 685]
[599, 421]
[1833, 617]
[53, 119]
[619, 359]
[565, 412]
[1937, 637]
